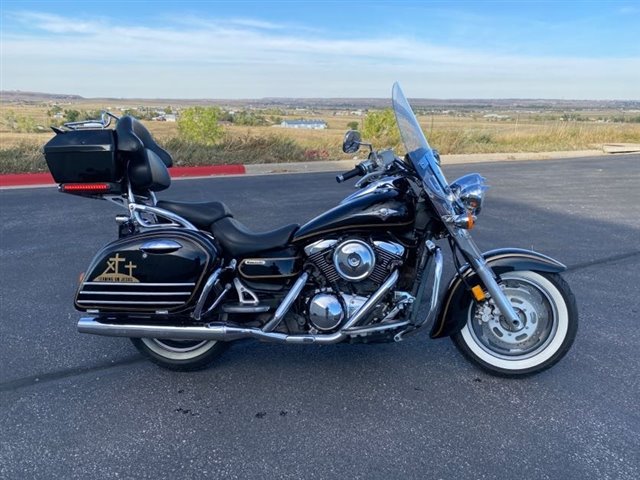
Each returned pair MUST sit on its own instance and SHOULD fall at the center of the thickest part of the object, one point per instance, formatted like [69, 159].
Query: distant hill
[33, 97]
[18, 96]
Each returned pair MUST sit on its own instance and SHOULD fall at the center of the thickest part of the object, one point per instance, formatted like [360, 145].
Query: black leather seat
[239, 241]
[133, 137]
[236, 239]
[202, 215]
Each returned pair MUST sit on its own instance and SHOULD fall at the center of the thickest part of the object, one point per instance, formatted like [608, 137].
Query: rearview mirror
[351, 142]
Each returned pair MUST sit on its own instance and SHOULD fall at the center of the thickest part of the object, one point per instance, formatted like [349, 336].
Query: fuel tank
[156, 272]
[386, 205]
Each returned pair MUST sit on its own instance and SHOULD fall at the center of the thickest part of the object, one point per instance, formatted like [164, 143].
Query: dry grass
[266, 144]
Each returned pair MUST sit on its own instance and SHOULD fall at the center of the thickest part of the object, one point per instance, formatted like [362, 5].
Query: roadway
[78, 406]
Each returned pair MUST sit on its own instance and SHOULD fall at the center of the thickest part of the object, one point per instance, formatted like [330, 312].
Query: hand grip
[350, 174]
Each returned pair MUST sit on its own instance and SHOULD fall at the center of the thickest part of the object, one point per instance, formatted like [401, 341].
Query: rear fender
[452, 316]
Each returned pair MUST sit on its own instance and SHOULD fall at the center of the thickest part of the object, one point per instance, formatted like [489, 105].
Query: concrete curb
[45, 179]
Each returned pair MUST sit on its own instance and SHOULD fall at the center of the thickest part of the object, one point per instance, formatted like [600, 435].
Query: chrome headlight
[470, 190]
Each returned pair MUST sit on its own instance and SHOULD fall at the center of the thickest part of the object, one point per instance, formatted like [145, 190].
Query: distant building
[165, 117]
[495, 116]
[310, 124]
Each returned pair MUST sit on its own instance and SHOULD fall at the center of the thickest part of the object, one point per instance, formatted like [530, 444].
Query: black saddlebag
[159, 272]
[83, 156]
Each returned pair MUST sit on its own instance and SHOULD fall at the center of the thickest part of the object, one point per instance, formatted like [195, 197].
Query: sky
[242, 49]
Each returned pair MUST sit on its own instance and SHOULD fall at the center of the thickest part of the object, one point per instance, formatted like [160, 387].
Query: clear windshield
[419, 151]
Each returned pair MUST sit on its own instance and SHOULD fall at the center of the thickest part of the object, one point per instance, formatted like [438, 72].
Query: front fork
[475, 258]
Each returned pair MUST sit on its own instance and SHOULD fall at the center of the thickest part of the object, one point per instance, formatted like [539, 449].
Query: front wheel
[546, 330]
[180, 355]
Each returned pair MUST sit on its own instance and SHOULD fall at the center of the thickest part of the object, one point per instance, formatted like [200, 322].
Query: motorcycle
[184, 280]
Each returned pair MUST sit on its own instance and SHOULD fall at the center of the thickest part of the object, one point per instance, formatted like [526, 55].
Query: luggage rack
[102, 123]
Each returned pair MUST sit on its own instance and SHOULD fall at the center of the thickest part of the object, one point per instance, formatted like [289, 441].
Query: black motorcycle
[185, 279]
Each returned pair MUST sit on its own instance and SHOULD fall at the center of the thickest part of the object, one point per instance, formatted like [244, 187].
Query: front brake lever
[368, 178]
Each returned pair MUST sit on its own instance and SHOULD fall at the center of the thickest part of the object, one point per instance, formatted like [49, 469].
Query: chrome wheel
[546, 327]
[536, 325]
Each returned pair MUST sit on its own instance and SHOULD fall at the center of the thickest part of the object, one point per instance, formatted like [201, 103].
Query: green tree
[91, 115]
[53, 110]
[381, 127]
[353, 125]
[248, 119]
[71, 115]
[200, 125]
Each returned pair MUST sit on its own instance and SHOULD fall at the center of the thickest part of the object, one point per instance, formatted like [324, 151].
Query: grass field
[472, 133]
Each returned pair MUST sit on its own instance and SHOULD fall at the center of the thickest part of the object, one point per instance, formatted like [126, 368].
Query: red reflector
[85, 187]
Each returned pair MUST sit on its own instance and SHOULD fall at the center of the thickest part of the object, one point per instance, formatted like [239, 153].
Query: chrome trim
[362, 331]
[160, 246]
[325, 312]
[390, 247]
[122, 219]
[383, 185]
[178, 221]
[213, 278]
[97, 292]
[476, 259]
[140, 284]
[401, 300]
[241, 290]
[223, 332]
[245, 308]
[102, 123]
[126, 302]
[217, 301]
[372, 301]
[286, 303]
[116, 199]
[470, 190]
[319, 246]
[435, 288]
[352, 302]
[365, 259]
[436, 255]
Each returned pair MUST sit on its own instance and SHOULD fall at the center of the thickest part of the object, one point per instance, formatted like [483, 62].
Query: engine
[348, 271]
[354, 260]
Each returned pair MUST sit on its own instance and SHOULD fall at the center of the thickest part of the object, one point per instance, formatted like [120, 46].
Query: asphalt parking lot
[79, 406]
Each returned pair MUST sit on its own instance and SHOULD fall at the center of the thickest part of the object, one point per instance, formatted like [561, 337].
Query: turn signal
[478, 293]
[466, 221]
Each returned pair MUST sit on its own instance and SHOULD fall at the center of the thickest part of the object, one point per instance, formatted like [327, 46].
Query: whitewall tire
[547, 328]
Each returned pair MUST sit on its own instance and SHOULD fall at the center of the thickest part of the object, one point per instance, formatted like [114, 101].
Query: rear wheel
[180, 355]
[547, 326]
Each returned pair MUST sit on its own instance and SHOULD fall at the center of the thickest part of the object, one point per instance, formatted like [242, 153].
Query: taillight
[85, 187]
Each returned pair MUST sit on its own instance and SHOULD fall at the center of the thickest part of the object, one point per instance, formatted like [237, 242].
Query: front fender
[452, 316]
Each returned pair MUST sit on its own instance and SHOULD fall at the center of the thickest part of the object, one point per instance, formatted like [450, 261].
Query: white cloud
[245, 58]
[56, 24]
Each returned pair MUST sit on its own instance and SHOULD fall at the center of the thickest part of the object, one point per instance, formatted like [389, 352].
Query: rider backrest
[146, 161]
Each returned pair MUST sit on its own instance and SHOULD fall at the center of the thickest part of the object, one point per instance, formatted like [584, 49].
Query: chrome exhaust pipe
[211, 331]
[224, 333]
